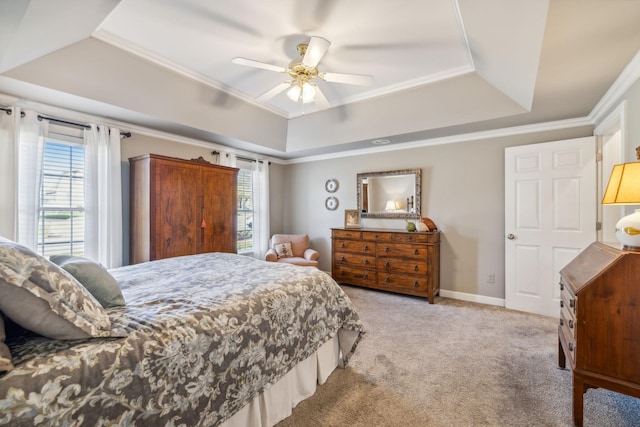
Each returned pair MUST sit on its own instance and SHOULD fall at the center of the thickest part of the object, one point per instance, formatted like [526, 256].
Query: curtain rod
[246, 159]
[80, 125]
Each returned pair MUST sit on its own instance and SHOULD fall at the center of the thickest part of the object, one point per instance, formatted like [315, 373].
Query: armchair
[293, 249]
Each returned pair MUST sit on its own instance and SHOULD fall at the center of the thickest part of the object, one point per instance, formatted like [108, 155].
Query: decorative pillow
[41, 297]
[5, 354]
[94, 277]
[283, 250]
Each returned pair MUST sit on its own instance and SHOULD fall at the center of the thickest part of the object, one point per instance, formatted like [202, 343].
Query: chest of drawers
[390, 260]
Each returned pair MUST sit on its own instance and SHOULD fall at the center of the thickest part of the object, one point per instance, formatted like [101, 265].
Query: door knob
[510, 236]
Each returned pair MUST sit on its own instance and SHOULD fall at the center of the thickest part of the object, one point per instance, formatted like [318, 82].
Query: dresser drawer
[352, 234]
[568, 322]
[402, 250]
[403, 281]
[354, 259]
[354, 276]
[568, 344]
[377, 235]
[360, 246]
[397, 265]
[416, 237]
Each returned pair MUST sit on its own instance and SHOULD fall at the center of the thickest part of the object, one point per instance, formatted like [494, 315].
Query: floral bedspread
[204, 335]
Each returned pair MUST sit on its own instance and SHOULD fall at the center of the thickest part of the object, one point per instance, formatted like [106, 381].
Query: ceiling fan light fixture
[302, 91]
[308, 92]
[294, 93]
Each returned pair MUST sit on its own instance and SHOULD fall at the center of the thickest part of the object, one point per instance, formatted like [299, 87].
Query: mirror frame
[417, 174]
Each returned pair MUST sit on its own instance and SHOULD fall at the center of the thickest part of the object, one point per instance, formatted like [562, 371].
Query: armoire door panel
[176, 211]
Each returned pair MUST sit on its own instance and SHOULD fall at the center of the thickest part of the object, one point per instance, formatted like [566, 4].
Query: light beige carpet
[453, 364]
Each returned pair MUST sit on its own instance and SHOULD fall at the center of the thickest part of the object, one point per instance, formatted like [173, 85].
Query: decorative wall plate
[331, 203]
[331, 185]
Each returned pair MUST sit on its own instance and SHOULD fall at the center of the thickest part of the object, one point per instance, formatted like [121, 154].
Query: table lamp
[624, 189]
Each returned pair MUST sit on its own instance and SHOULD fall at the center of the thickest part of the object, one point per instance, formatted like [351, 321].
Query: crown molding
[625, 80]
[472, 136]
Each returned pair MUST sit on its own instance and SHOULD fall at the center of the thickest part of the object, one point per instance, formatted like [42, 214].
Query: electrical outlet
[491, 278]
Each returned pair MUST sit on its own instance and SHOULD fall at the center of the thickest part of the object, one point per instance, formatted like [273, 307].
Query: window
[62, 206]
[245, 207]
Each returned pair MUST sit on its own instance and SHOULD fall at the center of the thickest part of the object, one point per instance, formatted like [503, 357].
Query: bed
[201, 340]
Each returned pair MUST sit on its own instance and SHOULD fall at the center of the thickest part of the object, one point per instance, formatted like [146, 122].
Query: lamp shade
[391, 206]
[624, 185]
[624, 189]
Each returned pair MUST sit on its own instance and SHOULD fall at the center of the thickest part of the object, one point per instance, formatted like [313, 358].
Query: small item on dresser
[421, 226]
[410, 226]
[429, 223]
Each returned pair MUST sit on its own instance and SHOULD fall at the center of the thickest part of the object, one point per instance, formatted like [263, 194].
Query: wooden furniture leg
[578, 400]
[562, 359]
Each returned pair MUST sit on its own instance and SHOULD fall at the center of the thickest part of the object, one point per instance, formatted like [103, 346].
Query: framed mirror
[390, 194]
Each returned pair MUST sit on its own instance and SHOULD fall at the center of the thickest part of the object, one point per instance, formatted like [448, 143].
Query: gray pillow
[41, 297]
[5, 354]
[94, 277]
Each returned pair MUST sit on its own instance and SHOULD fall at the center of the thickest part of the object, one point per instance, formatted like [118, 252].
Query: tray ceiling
[440, 67]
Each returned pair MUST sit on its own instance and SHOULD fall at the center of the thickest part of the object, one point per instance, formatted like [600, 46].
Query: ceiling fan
[302, 71]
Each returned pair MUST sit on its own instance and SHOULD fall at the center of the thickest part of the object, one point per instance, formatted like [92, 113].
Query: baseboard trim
[472, 298]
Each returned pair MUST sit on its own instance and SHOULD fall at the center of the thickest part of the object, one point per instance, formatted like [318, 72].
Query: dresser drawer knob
[416, 284]
[561, 286]
[342, 258]
[387, 249]
[570, 346]
[342, 244]
[416, 251]
[365, 276]
[387, 279]
[561, 303]
[415, 268]
[571, 324]
[572, 303]
[386, 264]
[561, 322]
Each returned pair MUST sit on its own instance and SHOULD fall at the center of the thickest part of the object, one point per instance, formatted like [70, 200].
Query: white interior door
[550, 216]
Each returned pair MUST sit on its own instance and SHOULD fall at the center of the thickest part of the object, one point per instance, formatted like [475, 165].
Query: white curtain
[261, 222]
[8, 174]
[103, 196]
[30, 153]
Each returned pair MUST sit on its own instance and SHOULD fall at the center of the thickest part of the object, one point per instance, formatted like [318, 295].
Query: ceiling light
[381, 141]
[303, 90]
[294, 93]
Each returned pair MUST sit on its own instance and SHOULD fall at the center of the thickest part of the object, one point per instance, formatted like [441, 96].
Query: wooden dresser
[391, 260]
[599, 332]
[180, 207]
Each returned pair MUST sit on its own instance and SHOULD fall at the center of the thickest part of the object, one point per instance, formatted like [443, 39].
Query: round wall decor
[331, 185]
[331, 203]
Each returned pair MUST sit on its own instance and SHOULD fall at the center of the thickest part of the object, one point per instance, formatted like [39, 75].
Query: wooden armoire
[180, 207]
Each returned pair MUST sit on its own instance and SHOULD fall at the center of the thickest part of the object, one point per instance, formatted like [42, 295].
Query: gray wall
[462, 192]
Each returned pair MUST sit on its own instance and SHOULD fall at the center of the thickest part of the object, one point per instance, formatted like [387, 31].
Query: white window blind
[62, 204]
[245, 207]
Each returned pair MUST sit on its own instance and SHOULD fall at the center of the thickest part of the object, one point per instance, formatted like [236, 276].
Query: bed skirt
[277, 402]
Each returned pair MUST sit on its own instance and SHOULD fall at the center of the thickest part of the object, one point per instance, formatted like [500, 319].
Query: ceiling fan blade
[315, 51]
[350, 79]
[320, 99]
[274, 91]
[256, 64]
